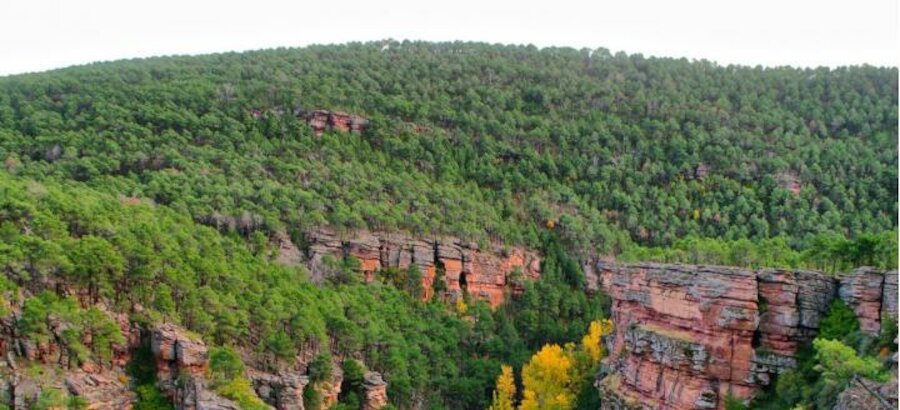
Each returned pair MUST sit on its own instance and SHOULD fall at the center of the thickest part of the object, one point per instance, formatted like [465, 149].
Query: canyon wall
[484, 273]
[688, 336]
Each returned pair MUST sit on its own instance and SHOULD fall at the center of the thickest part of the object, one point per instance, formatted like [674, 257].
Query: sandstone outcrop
[374, 391]
[684, 334]
[790, 306]
[863, 290]
[181, 364]
[283, 391]
[688, 336]
[483, 273]
[322, 120]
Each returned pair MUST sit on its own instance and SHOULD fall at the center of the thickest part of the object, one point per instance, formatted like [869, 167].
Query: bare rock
[374, 391]
[862, 290]
[284, 391]
[104, 390]
[862, 394]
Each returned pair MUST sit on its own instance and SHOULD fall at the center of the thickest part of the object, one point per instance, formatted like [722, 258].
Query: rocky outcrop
[181, 364]
[374, 391]
[104, 390]
[484, 273]
[889, 295]
[863, 290]
[322, 120]
[862, 394]
[684, 336]
[688, 336]
[790, 305]
[283, 391]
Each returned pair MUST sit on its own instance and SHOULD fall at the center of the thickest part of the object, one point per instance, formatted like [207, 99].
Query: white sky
[38, 35]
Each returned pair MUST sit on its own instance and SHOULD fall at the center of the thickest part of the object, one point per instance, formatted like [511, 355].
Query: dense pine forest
[478, 141]
[158, 185]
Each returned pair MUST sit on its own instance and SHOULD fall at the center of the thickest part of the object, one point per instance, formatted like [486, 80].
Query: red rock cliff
[484, 273]
[687, 336]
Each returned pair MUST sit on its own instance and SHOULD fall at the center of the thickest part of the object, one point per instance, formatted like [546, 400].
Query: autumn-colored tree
[591, 341]
[505, 391]
[547, 381]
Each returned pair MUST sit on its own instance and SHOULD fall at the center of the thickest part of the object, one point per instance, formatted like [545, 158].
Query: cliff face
[483, 273]
[687, 336]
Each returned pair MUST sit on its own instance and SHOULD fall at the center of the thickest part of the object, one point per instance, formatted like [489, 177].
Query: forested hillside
[478, 141]
[250, 203]
[156, 265]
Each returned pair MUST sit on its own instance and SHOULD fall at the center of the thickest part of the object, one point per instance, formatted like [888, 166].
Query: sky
[37, 35]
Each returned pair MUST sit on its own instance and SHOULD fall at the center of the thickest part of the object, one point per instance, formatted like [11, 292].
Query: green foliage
[839, 363]
[320, 369]
[839, 323]
[826, 252]
[74, 322]
[887, 338]
[51, 399]
[142, 370]
[155, 183]
[734, 403]
[352, 385]
[225, 365]
[242, 393]
[613, 149]
[824, 370]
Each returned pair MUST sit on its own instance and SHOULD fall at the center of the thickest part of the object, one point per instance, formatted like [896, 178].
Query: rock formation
[862, 394]
[483, 273]
[684, 334]
[374, 391]
[863, 291]
[283, 391]
[688, 336]
[181, 364]
[321, 120]
[104, 390]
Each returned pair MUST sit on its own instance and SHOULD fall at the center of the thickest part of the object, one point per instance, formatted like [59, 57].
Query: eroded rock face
[105, 390]
[374, 391]
[889, 295]
[684, 334]
[862, 394]
[181, 364]
[484, 273]
[687, 336]
[863, 291]
[791, 305]
[321, 120]
[284, 391]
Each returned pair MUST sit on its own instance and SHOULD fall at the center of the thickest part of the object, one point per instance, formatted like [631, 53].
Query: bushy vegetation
[825, 252]
[230, 293]
[158, 183]
[838, 354]
[142, 370]
[611, 149]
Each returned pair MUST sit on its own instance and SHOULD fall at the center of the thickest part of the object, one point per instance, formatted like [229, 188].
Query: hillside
[477, 141]
[381, 225]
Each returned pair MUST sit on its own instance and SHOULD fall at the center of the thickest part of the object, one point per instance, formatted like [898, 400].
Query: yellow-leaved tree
[546, 380]
[591, 342]
[505, 391]
[554, 376]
